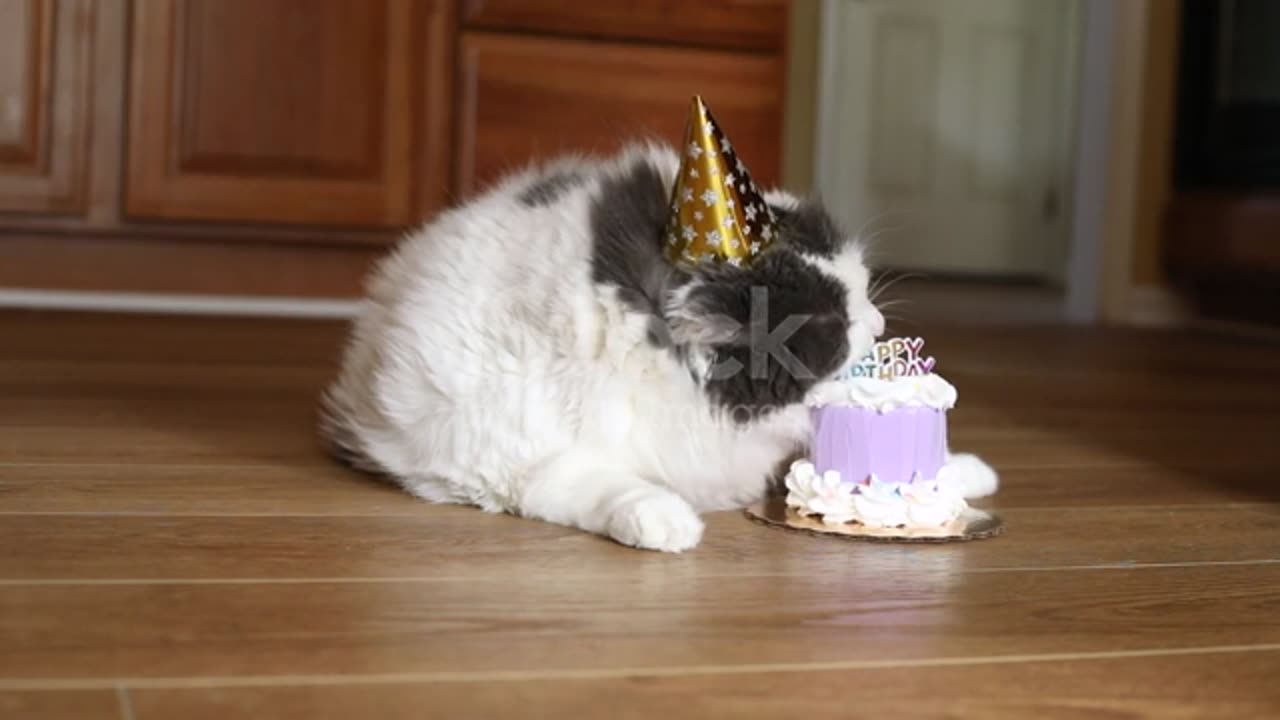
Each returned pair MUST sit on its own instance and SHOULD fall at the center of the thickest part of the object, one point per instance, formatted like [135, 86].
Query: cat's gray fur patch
[547, 189]
[627, 215]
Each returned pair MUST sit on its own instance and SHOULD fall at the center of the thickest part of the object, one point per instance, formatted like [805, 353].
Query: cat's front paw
[977, 478]
[656, 520]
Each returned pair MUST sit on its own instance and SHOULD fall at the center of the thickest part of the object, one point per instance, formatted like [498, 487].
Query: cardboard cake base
[973, 524]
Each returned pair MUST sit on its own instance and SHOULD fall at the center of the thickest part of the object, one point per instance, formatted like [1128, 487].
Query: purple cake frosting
[893, 445]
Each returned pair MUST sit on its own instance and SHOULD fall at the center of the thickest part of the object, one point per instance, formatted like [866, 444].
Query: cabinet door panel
[529, 98]
[44, 120]
[299, 111]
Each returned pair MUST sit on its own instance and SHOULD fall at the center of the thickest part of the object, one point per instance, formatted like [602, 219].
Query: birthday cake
[878, 457]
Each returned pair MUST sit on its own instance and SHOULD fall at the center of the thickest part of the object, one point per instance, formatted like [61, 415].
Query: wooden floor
[176, 546]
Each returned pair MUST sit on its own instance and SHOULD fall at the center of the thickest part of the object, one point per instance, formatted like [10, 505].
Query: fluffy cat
[533, 352]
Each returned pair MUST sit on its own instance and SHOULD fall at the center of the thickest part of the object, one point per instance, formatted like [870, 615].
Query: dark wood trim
[182, 264]
[1223, 250]
[176, 231]
[434, 103]
[747, 25]
[1224, 232]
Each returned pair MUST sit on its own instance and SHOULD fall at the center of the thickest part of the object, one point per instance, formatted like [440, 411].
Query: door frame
[1108, 161]
[1105, 56]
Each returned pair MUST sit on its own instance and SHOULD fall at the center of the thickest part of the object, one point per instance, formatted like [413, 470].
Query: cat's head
[799, 314]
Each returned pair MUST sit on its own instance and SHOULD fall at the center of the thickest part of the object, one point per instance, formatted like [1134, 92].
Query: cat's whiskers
[875, 219]
[870, 242]
[896, 302]
[881, 285]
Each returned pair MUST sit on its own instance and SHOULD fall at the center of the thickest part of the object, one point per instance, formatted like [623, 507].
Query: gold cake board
[973, 524]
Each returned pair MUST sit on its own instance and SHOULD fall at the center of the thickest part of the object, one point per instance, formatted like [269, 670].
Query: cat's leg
[976, 477]
[601, 498]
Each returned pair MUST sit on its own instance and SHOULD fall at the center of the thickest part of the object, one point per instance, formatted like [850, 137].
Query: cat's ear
[705, 314]
[808, 227]
[707, 329]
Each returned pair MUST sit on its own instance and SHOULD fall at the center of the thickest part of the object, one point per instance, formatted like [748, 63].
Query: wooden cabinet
[44, 91]
[277, 147]
[301, 111]
[527, 97]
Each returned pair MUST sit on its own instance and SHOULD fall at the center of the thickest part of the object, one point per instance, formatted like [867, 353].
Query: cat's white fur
[489, 369]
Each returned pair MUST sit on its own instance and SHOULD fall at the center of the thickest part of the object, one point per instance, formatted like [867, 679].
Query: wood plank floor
[177, 546]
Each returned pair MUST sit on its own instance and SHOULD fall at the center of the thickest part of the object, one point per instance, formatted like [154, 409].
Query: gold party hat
[718, 215]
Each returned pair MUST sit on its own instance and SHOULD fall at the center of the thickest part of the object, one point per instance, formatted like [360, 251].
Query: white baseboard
[177, 304]
[1156, 306]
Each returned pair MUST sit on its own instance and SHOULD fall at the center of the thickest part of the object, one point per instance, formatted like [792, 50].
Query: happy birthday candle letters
[894, 358]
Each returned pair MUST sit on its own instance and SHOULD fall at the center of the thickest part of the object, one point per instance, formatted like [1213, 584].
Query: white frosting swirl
[823, 495]
[884, 395]
[880, 506]
[934, 502]
[918, 504]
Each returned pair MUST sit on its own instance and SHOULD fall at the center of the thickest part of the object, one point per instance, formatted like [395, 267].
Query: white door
[945, 131]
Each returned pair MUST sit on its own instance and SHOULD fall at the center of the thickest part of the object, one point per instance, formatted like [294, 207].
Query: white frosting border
[920, 503]
[883, 395]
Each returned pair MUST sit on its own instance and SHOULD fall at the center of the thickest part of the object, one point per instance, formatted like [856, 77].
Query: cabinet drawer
[526, 98]
[738, 24]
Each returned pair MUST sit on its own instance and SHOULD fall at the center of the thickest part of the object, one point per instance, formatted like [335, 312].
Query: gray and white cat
[533, 352]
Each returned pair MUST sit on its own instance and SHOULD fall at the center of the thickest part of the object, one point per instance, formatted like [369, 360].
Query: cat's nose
[875, 322]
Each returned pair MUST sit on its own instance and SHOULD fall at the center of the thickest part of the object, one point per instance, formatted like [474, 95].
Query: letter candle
[894, 358]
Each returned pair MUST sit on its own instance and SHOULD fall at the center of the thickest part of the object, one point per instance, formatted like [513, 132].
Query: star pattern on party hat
[717, 213]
